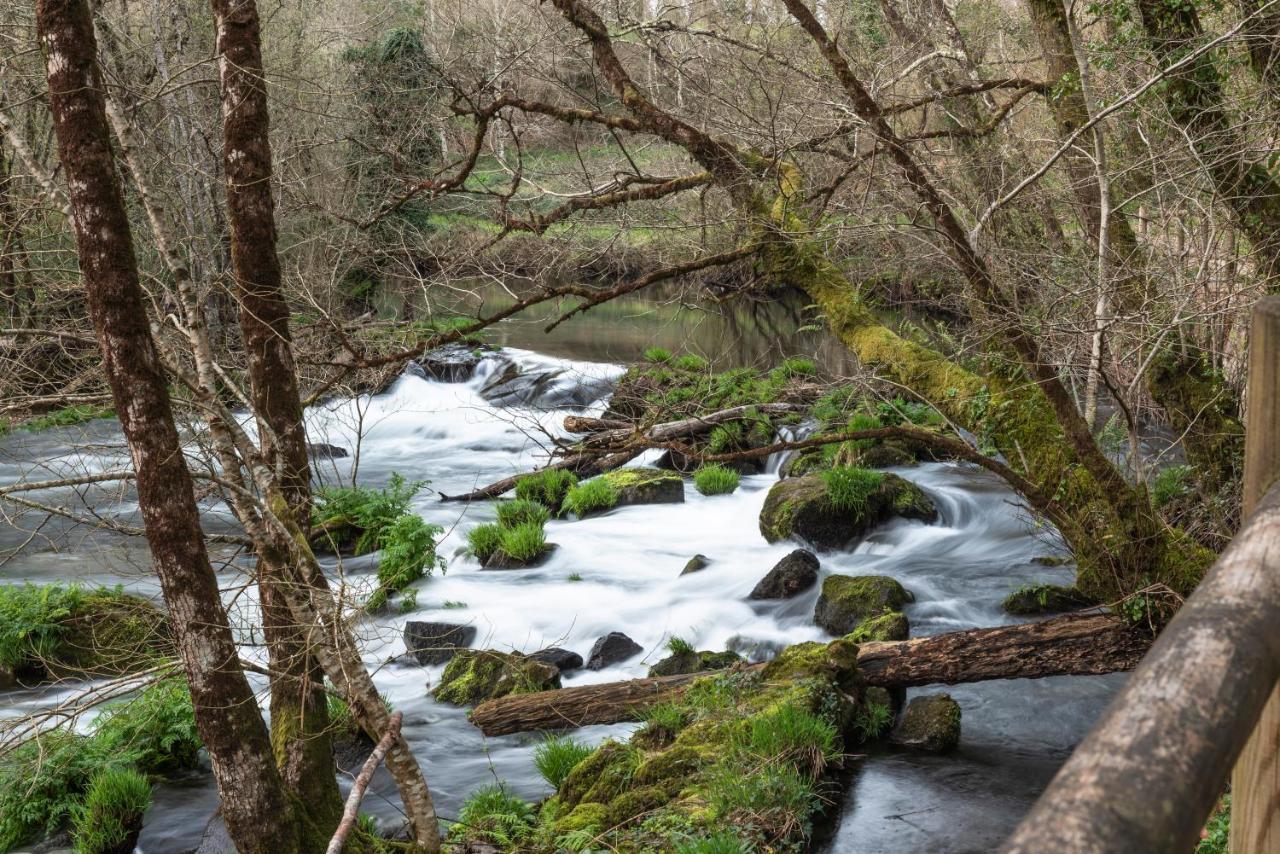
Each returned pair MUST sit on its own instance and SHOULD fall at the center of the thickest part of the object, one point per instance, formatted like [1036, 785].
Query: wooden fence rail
[1148, 775]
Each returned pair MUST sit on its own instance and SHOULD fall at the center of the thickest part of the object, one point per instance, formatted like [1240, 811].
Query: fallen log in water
[583, 465]
[1069, 645]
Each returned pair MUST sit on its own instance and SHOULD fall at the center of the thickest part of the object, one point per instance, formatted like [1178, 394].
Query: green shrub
[590, 497]
[547, 487]
[524, 542]
[679, 646]
[725, 438]
[365, 513]
[657, 354]
[556, 756]
[491, 815]
[156, 730]
[408, 554]
[690, 362]
[849, 488]
[716, 480]
[484, 540]
[33, 621]
[68, 417]
[513, 513]
[1170, 483]
[112, 812]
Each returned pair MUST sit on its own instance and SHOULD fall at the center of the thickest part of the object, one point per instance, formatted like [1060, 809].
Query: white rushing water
[621, 572]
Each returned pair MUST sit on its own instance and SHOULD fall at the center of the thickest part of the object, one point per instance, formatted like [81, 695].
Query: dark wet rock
[754, 649]
[697, 563]
[694, 662]
[325, 451]
[893, 626]
[800, 507]
[561, 659]
[1046, 599]
[455, 363]
[646, 486]
[611, 649]
[791, 576]
[554, 388]
[436, 643]
[502, 560]
[931, 723]
[475, 675]
[848, 600]
[883, 455]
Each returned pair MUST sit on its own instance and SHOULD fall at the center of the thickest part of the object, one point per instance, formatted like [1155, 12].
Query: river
[617, 572]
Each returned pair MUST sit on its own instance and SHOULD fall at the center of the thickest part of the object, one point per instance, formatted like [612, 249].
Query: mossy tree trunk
[255, 804]
[299, 711]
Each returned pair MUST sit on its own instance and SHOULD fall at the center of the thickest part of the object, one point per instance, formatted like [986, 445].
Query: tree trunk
[1070, 645]
[9, 242]
[254, 804]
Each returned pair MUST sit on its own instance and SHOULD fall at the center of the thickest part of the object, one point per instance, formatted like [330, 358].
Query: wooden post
[1255, 782]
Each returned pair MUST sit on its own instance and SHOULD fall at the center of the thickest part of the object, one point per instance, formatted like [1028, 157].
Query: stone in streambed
[1046, 599]
[847, 601]
[455, 363]
[436, 643]
[645, 486]
[473, 676]
[325, 451]
[611, 649]
[694, 662]
[501, 560]
[791, 576]
[801, 507]
[697, 563]
[931, 723]
[561, 659]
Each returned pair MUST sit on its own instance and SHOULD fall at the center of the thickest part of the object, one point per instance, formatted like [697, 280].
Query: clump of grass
[68, 417]
[872, 720]
[1171, 483]
[793, 735]
[512, 513]
[690, 362]
[491, 815]
[716, 479]
[453, 605]
[720, 842]
[795, 367]
[547, 487]
[524, 542]
[849, 488]
[591, 497]
[112, 811]
[408, 554]
[574, 576]
[679, 646]
[556, 756]
[657, 354]
[484, 540]
[778, 799]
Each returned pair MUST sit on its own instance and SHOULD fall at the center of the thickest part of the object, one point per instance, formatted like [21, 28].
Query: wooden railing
[1204, 699]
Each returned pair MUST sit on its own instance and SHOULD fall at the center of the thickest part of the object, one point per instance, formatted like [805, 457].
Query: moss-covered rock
[847, 601]
[930, 723]
[802, 507]
[600, 777]
[1045, 599]
[645, 486]
[694, 662]
[473, 676]
[892, 626]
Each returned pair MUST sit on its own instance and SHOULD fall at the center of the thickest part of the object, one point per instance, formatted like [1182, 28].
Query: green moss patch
[834, 509]
[473, 676]
[1045, 599]
[848, 604]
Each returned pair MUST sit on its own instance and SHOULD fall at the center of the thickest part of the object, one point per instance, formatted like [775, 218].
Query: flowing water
[620, 572]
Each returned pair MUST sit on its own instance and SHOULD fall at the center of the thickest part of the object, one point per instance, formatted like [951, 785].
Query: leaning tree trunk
[9, 241]
[254, 803]
[299, 710]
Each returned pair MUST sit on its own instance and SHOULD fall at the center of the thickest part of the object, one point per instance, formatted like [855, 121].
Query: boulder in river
[456, 362]
[325, 451]
[549, 388]
[501, 560]
[697, 563]
[563, 660]
[931, 723]
[1046, 599]
[611, 649]
[834, 509]
[847, 601]
[646, 486]
[690, 661]
[891, 626]
[475, 675]
[436, 643]
[791, 576]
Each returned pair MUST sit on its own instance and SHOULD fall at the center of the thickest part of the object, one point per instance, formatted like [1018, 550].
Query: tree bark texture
[254, 805]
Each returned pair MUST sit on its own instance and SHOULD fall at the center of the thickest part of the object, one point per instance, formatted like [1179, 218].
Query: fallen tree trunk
[1069, 645]
[583, 465]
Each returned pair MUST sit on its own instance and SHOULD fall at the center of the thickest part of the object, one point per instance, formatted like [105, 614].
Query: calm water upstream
[628, 561]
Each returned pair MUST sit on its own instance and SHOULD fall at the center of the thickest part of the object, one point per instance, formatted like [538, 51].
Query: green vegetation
[593, 496]
[873, 720]
[547, 487]
[690, 362]
[520, 511]
[34, 621]
[716, 480]
[484, 540]
[111, 815]
[795, 367]
[680, 646]
[659, 355]
[556, 756]
[408, 554]
[44, 783]
[491, 815]
[475, 675]
[849, 489]
[573, 576]
[1218, 831]
[1170, 483]
[68, 417]
[356, 516]
[523, 542]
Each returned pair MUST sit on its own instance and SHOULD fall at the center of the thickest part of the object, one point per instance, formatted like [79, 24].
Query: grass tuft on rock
[594, 496]
[111, 816]
[556, 756]
[849, 489]
[715, 479]
[484, 540]
[658, 355]
[524, 542]
[547, 487]
[513, 513]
